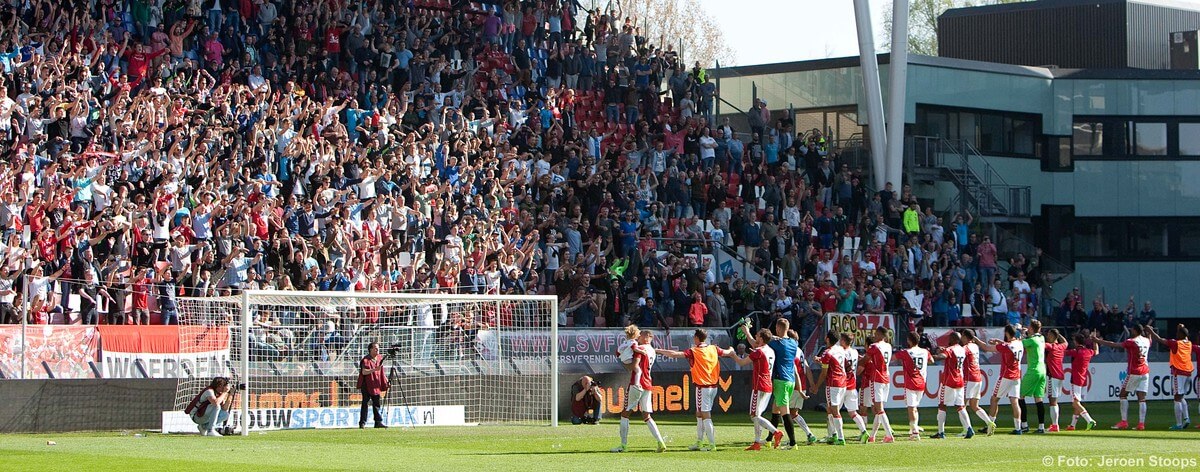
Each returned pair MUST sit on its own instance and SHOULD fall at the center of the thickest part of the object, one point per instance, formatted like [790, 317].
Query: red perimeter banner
[61, 352]
[164, 351]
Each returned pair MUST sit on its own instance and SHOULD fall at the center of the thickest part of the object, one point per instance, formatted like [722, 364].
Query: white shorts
[952, 396]
[1179, 384]
[834, 396]
[912, 398]
[876, 392]
[759, 402]
[705, 397]
[1053, 387]
[638, 399]
[973, 389]
[797, 400]
[1007, 388]
[850, 399]
[1137, 383]
[1077, 392]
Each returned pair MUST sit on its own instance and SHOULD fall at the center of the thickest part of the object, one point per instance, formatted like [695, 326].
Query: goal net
[450, 359]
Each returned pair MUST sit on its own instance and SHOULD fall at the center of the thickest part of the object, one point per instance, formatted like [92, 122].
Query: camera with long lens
[393, 350]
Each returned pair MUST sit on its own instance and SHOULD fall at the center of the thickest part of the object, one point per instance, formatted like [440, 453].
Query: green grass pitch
[585, 448]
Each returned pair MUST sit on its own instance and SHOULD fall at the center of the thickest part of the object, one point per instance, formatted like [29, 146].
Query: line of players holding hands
[861, 383]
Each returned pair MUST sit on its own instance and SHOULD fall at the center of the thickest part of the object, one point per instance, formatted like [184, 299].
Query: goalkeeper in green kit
[1033, 384]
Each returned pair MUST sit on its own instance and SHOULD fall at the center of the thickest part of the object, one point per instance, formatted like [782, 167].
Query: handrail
[931, 151]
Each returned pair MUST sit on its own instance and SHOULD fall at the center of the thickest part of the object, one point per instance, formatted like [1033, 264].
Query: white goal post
[452, 359]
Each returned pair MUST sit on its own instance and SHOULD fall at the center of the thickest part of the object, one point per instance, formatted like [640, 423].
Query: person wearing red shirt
[914, 362]
[1181, 371]
[1081, 360]
[698, 310]
[827, 296]
[637, 394]
[372, 382]
[1011, 351]
[974, 379]
[853, 384]
[833, 374]
[141, 296]
[762, 357]
[953, 382]
[1137, 347]
[139, 61]
[1056, 345]
[875, 370]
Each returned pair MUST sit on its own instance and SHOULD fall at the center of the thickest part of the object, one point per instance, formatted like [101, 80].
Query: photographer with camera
[211, 407]
[372, 382]
[585, 398]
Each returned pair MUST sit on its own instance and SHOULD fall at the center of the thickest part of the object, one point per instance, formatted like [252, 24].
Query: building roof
[962, 64]
[1051, 4]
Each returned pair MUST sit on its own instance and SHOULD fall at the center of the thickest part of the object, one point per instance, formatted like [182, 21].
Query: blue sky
[768, 31]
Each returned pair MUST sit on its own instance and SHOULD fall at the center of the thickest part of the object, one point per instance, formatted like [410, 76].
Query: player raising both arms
[637, 394]
[800, 393]
[1081, 360]
[953, 383]
[1010, 374]
[762, 357]
[1033, 384]
[833, 374]
[1138, 378]
[704, 360]
[1056, 345]
[914, 360]
[1181, 371]
[974, 379]
[875, 370]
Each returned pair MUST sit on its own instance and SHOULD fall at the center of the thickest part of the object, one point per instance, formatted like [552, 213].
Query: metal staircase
[982, 190]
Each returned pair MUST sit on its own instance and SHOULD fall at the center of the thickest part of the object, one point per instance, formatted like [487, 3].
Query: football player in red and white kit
[852, 385]
[953, 385]
[762, 357]
[833, 374]
[974, 378]
[1011, 351]
[1056, 346]
[1081, 360]
[1136, 349]
[800, 392]
[914, 361]
[875, 371]
[637, 394]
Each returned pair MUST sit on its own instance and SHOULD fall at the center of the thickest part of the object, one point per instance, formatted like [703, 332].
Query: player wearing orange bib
[1181, 371]
[704, 359]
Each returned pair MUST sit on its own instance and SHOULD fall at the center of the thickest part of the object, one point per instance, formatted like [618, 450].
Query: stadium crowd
[153, 150]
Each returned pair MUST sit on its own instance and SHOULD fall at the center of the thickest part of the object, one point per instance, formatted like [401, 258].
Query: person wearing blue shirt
[783, 374]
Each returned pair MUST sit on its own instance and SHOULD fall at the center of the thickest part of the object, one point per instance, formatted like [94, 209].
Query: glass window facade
[1136, 239]
[991, 132]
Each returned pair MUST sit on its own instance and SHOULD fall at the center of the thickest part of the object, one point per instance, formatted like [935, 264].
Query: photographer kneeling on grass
[211, 407]
[586, 401]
